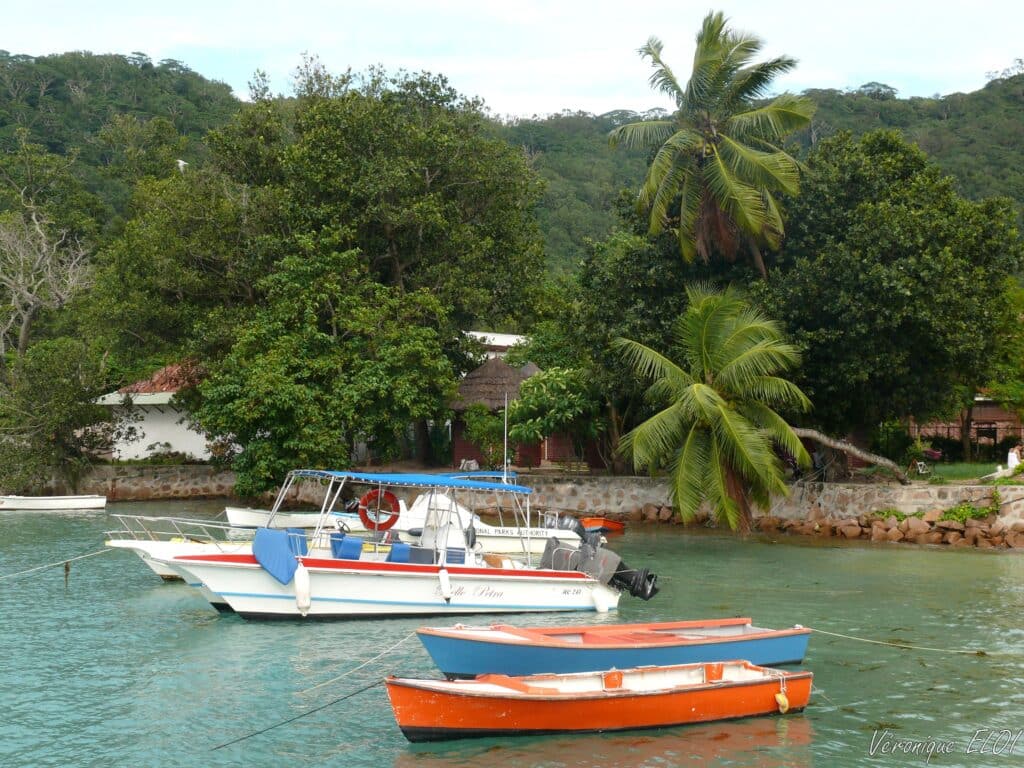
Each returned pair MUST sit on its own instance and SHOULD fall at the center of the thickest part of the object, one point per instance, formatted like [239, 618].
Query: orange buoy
[375, 505]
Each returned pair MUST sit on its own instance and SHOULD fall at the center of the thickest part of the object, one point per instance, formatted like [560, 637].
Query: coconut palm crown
[718, 165]
[717, 431]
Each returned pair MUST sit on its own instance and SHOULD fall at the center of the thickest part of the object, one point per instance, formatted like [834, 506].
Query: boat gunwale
[547, 637]
[775, 679]
[383, 568]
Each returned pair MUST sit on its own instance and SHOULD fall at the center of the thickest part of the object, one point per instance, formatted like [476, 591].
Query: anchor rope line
[54, 565]
[385, 652]
[298, 716]
[909, 647]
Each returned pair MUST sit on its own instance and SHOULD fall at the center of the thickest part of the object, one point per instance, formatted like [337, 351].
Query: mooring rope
[298, 716]
[909, 647]
[385, 652]
[54, 565]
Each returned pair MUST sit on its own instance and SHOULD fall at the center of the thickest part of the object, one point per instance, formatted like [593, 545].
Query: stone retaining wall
[822, 509]
[139, 483]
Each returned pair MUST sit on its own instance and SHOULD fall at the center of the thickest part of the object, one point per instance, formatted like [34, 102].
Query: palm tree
[717, 432]
[718, 163]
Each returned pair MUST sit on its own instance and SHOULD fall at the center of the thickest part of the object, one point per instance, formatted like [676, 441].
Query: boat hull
[603, 524]
[156, 554]
[353, 589]
[465, 653]
[426, 711]
[247, 517]
[52, 503]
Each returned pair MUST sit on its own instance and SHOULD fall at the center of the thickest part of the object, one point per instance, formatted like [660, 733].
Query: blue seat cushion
[271, 549]
[399, 553]
[346, 547]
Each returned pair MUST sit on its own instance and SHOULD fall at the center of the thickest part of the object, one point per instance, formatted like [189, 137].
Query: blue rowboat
[465, 651]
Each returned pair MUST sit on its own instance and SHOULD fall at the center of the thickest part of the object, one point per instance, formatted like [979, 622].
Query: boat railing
[144, 528]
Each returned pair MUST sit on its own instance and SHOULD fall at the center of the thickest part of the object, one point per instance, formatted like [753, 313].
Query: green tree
[486, 431]
[407, 170]
[49, 425]
[894, 286]
[717, 431]
[718, 164]
[331, 360]
[555, 401]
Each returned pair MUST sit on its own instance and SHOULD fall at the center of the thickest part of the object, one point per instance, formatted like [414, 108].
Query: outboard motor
[569, 523]
[639, 583]
[607, 567]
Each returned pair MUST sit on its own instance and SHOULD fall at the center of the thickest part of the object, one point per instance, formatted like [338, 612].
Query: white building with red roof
[160, 426]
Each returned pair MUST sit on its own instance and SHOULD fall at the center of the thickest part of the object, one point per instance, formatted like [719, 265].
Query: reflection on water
[117, 667]
[769, 742]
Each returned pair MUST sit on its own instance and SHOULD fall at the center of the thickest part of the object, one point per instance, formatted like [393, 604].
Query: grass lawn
[962, 470]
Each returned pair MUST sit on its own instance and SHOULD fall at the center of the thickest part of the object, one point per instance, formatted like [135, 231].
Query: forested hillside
[976, 137]
[583, 178]
[104, 106]
[111, 110]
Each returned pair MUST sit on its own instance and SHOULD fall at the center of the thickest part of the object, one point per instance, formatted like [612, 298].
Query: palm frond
[745, 448]
[642, 135]
[716, 486]
[748, 360]
[688, 473]
[689, 217]
[776, 390]
[776, 427]
[786, 113]
[662, 78]
[752, 83]
[654, 442]
[648, 363]
[740, 201]
[760, 169]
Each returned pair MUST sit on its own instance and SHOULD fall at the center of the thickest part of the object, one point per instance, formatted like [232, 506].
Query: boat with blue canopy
[327, 573]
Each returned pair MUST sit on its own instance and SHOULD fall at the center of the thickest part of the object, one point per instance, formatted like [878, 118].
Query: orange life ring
[374, 505]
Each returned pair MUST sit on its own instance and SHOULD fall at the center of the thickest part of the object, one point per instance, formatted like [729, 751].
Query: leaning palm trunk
[852, 450]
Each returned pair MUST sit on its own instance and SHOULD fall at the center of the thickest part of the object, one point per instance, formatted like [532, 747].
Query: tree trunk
[966, 422]
[852, 450]
[423, 443]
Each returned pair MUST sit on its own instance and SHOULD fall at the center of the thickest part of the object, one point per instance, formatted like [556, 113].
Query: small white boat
[52, 503]
[247, 517]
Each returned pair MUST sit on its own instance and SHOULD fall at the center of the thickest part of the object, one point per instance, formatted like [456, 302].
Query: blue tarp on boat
[273, 551]
[411, 480]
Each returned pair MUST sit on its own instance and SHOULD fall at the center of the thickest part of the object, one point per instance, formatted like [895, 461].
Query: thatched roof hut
[489, 384]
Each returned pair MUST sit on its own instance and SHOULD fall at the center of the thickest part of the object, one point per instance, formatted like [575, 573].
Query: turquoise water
[118, 668]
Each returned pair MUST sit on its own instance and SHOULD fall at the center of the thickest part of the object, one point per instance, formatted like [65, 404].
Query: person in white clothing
[1013, 457]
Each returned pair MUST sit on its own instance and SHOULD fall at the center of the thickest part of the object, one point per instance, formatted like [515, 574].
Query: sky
[537, 57]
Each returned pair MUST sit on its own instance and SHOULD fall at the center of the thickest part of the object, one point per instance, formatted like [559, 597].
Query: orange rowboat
[603, 524]
[644, 697]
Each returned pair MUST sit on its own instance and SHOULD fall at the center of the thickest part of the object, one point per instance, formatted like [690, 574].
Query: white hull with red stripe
[353, 588]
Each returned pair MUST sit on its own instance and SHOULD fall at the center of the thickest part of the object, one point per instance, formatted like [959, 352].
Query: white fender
[446, 584]
[600, 597]
[302, 594]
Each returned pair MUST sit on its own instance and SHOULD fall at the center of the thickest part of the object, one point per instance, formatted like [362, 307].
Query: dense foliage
[894, 286]
[317, 257]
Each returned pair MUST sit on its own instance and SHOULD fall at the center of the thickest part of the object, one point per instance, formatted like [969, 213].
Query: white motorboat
[52, 503]
[445, 572]
[408, 525]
